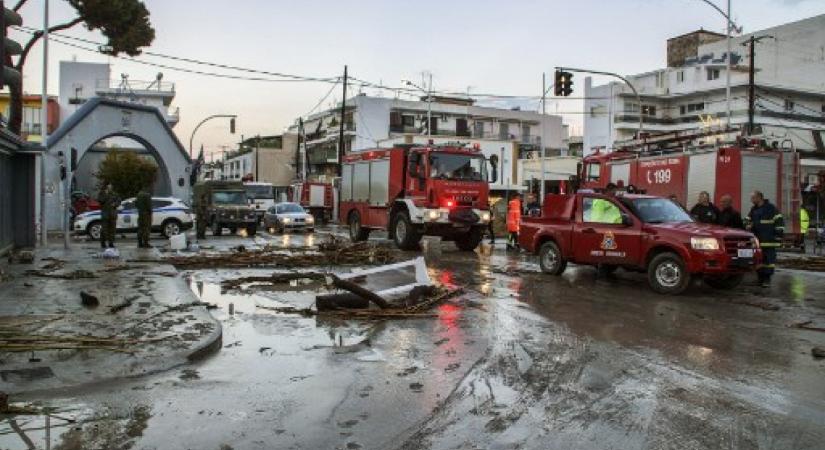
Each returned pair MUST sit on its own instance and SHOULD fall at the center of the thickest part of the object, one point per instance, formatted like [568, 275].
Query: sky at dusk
[485, 46]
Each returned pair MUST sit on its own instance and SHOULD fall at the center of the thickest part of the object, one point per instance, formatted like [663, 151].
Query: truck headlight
[704, 243]
[485, 216]
[433, 214]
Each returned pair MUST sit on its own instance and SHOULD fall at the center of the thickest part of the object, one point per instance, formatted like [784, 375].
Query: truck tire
[217, 227]
[251, 230]
[405, 235]
[357, 233]
[667, 274]
[468, 241]
[551, 260]
[724, 282]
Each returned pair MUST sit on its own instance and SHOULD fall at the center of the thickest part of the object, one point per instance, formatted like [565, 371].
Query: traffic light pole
[611, 74]
[44, 133]
[192, 137]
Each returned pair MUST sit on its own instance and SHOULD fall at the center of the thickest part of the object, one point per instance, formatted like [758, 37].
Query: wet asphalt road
[522, 360]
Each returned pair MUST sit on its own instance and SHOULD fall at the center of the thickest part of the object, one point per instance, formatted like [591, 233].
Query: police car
[170, 216]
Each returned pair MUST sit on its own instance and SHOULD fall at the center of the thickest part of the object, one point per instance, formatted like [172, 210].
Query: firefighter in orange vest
[513, 220]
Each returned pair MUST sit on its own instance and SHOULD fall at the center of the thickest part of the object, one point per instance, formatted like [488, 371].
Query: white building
[371, 122]
[80, 81]
[690, 92]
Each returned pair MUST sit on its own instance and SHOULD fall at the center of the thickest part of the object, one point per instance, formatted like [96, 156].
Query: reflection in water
[798, 288]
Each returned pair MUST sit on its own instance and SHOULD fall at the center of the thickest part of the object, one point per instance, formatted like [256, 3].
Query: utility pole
[430, 107]
[341, 126]
[541, 143]
[44, 130]
[752, 79]
[727, 71]
[299, 153]
[257, 150]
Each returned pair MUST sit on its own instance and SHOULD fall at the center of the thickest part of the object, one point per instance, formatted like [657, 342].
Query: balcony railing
[127, 86]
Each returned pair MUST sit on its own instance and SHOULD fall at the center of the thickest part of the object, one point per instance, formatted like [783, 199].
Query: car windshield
[229, 198]
[290, 208]
[658, 210]
[448, 166]
[260, 191]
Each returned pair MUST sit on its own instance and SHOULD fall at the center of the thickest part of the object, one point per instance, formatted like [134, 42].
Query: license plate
[745, 253]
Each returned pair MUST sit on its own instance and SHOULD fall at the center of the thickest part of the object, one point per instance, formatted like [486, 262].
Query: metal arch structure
[101, 118]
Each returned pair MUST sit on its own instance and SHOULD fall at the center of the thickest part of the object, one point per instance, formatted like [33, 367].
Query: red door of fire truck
[600, 237]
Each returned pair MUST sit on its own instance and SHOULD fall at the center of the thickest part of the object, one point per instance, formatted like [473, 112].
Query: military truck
[226, 205]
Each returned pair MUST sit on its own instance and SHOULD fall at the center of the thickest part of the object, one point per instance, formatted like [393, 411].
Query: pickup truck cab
[638, 233]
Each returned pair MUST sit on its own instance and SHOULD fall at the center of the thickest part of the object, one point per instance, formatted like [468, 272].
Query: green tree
[124, 23]
[127, 173]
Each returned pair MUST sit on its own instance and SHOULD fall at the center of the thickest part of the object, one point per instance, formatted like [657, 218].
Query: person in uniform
[704, 211]
[201, 213]
[108, 216]
[143, 203]
[513, 221]
[728, 216]
[768, 225]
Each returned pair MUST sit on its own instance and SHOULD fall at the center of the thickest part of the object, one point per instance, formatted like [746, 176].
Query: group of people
[515, 210]
[109, 202]
[764, 220]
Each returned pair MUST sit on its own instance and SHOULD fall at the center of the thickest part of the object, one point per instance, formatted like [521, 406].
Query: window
[408, 121]
[823, 107]
[478, 128]
[682, 109]
[288, 208]
[593, 171]
[525, 132]
[648, 110]
[599, 210]
[789, 105]
[680, 76]
[160, 203]
[447, 166]
[126, 206]
[504, 130]
[695, 107]
[713, 74]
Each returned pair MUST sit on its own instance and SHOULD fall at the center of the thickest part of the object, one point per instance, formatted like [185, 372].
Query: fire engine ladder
[677, 140]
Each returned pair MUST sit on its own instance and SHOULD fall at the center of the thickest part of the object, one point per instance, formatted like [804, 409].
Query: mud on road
[521, 360]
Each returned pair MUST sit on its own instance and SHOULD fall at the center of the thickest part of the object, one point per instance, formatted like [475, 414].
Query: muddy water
[521, 361]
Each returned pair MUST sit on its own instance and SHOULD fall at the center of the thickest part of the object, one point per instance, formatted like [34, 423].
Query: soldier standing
[144, 208]
[201, 213]
[108, 216]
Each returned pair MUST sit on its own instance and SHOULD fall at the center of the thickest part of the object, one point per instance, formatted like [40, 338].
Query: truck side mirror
[413, 169]
[627, 220]
[494, 165]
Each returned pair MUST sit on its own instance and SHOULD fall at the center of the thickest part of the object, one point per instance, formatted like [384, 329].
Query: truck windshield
[260, 191]
[229, 198]
[658, 210]
[449, 166]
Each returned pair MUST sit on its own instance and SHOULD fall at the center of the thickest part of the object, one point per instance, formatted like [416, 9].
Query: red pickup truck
[638, 233]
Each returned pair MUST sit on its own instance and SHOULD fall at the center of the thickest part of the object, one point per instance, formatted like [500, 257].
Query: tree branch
[38, 34]
[19, 5]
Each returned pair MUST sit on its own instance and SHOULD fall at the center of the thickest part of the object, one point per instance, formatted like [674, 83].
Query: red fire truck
[316, 197]
[685, 164]
[416, 191]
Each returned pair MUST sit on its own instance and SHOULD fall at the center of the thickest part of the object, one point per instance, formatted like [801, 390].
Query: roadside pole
[341, 126]
[752, 41]
[44, 128]
[727, 70]
[625, 80]
[541, 143]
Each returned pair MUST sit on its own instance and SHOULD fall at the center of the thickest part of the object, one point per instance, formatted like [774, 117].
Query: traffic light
[9, 75]
[232, 125]
[563, 85]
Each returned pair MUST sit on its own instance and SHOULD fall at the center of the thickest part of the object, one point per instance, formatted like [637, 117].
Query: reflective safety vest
[604, 211]
[804, 220]
[767, 224]
[513, 215]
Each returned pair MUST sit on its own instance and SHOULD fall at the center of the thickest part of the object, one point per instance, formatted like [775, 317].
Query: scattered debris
[21, 257]
[125, 304]
[335, 253]
[763, 305]
[340, 301]
[812, 263]
[818, 352]
[53, 264]
[806, 325]
[73, 275]
[275, 278]
[88, 300]
[360, 291]
[30, 343]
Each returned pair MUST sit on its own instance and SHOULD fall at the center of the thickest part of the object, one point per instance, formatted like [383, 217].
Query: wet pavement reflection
[521, 360]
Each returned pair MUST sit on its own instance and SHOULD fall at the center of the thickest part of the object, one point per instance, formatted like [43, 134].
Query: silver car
[288, 216]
